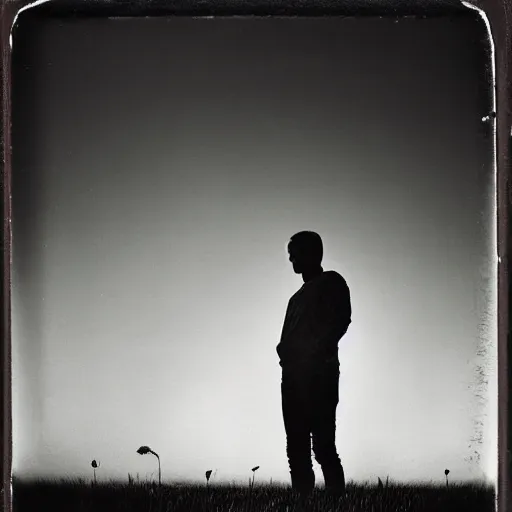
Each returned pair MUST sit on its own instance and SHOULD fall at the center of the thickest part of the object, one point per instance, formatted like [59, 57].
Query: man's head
[306, 251]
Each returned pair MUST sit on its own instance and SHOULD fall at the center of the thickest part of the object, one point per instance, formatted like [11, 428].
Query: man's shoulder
[296, 294]
[335, 283]
[332, 276]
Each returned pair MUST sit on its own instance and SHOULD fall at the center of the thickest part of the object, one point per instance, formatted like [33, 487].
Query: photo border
[498, 14]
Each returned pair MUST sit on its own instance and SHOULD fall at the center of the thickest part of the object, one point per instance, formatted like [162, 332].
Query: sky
[160, 167]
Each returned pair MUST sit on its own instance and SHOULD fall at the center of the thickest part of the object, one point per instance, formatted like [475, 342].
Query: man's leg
[296, 415]
[323, 426]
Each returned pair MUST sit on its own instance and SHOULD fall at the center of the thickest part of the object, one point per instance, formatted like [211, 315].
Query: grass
[82, 496]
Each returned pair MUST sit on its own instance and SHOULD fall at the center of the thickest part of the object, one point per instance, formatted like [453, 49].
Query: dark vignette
[499, 13]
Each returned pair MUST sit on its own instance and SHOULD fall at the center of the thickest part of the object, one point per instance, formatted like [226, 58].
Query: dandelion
[143, 450]
[446, 471]
[95, 465]
[254, 469]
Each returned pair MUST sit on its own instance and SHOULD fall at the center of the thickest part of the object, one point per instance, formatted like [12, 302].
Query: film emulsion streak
[499, 15]
[7, 16]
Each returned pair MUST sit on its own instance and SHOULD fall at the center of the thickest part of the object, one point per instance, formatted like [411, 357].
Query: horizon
[153, 480]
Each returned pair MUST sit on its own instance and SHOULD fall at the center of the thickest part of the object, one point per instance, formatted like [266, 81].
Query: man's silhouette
[318, 315]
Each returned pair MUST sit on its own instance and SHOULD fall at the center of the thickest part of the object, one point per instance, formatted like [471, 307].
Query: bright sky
[160, 169]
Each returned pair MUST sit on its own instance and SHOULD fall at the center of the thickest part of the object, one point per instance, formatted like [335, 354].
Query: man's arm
[335, 313]
[281, 346]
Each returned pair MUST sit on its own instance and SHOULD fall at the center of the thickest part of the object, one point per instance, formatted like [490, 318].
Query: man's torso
[303, 342]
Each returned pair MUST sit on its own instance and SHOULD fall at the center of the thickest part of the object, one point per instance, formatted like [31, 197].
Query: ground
[82, 496]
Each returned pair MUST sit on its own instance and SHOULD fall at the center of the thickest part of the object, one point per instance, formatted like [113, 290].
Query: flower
[253, 473]
[143, 450]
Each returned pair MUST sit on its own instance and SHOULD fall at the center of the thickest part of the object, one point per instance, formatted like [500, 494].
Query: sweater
[317, 317]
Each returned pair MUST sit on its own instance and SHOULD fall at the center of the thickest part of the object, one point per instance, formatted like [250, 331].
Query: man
[317, 317]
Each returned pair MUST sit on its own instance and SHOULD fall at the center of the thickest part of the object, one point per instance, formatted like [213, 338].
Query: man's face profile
[304, 253]
[296, 258]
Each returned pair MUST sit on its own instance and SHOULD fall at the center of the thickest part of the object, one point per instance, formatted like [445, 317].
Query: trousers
[310, 397]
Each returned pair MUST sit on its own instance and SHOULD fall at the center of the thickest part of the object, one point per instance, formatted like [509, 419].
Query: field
[82, 496]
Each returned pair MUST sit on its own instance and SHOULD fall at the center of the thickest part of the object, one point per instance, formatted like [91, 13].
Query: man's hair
[310, 242]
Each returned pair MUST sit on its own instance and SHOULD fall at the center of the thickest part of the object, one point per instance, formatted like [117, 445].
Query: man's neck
[308, 275]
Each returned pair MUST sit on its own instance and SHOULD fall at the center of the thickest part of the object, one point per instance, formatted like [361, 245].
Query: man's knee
[325, 452]
[298, 449]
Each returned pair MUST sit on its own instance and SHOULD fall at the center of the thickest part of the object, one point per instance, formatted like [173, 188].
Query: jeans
[310, 396]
